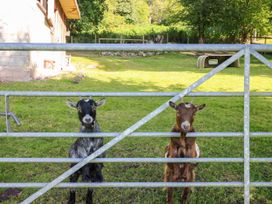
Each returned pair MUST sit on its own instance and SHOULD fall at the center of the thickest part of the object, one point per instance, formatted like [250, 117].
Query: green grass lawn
[168, 72]
[263, 41]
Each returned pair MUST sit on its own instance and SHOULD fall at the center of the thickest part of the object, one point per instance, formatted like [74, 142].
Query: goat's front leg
[86, 177]
[185, 196]
[168, 177]
[72, 196]
[187, 190]
[89, 197]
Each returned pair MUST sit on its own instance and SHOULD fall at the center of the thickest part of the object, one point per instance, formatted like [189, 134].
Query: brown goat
[182, 147]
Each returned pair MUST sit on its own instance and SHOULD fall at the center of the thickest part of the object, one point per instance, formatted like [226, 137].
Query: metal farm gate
[241, 50]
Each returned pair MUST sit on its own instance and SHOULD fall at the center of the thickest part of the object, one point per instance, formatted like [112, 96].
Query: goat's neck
[183, 140]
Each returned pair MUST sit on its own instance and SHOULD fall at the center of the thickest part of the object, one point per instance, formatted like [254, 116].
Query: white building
[34, 21]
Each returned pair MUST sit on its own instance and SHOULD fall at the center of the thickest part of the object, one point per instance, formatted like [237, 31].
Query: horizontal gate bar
[135, 134]
[131, 160]
[261, 159]
[260, 134]
[130, 47]
[125, 184]
[119, 47]
[121, 160]
[136, 184]
[114, 134]
[123, 94]
[261, 184]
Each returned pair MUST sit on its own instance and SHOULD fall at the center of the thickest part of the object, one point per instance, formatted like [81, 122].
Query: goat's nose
[88, 120]
[185, 125]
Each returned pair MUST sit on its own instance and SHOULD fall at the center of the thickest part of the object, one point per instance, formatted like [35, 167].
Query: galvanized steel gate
[243, 50]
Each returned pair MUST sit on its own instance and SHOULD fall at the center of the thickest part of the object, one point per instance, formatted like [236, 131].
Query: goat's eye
[79, 109]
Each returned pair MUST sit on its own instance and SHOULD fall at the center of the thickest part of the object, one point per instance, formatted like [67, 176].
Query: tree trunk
[201, 39]
[201, 35]
[245, 38]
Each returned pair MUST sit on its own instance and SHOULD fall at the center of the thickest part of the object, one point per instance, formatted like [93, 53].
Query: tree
[201, 14]
[242, 17]
[121, 14]
[172, 13]
[124, 8]
[134, 11]
[235, 19]
[92, 13]
[141, 11]
[157, 11]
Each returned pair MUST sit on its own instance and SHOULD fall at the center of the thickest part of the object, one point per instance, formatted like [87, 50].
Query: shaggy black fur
[85, 146]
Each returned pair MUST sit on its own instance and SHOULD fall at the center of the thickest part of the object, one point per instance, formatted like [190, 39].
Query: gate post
[8, 127]
[247, 126]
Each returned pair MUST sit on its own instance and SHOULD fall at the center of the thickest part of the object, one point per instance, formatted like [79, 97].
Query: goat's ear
[100, 102]
[200, 107]
[71, 104]
[172, 105]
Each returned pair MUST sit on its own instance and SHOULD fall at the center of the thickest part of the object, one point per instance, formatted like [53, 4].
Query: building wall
[24, 21]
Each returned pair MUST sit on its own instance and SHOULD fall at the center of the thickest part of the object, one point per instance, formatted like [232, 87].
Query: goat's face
[185, 113]
[86, 109]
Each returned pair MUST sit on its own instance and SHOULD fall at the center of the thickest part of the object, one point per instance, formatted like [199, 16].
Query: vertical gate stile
[8, 128]
[247, 126]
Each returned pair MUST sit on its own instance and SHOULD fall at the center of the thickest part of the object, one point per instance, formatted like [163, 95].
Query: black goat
[85, 146]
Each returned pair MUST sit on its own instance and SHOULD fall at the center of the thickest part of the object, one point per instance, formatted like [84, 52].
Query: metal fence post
[247, 127]
[8, 128]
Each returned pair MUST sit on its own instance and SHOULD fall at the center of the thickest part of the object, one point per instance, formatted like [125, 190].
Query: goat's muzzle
[185, 126]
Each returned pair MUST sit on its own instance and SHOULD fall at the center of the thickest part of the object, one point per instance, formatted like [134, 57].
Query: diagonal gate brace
[131, 129]
[261, 58]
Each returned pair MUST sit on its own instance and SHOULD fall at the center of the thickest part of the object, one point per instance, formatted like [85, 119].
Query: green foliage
[91, 14]
[121, 16]
[134, 11]
[127, 18]
[140, 12]
[137, 30]
[210, 20]
[131, 11]
[124, 8]
[234, 19]
[157, 11]
[173, 13]
[242, 17]
[201, 14]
